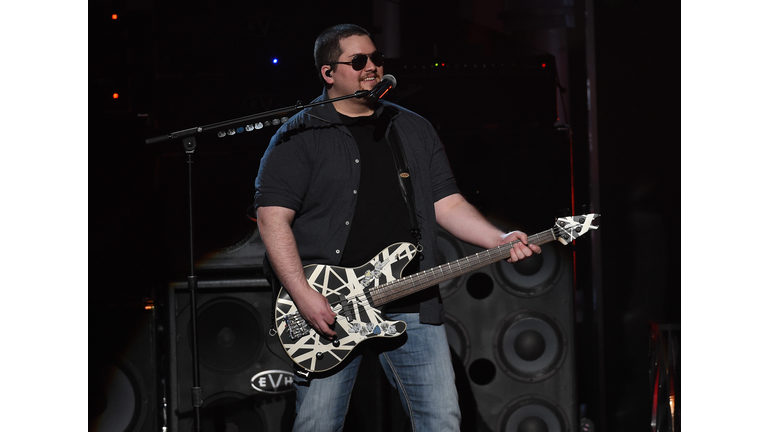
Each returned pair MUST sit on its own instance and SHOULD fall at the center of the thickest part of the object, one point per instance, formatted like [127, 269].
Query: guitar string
[476, 261]
[376, 292]
[428, 278]
[384, 294]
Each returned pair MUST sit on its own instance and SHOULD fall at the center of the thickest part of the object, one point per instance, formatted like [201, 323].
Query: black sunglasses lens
[359, 61]
[377, 58]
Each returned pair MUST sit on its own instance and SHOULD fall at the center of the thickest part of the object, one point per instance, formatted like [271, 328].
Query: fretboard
[400, 288]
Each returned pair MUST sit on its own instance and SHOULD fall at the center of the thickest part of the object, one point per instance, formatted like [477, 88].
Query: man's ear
[326, 74]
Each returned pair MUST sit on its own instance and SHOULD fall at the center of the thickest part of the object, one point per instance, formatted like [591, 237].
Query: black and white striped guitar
[357, 295]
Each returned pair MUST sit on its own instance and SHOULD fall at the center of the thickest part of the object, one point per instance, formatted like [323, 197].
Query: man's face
[346, 80]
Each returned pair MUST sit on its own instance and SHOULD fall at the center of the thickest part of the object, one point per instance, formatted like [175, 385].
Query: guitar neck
[400, 288]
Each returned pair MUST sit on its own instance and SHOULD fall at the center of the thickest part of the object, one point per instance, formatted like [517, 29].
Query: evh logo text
[273, 382]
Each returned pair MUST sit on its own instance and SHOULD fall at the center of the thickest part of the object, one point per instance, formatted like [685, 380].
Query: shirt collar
[327, 113]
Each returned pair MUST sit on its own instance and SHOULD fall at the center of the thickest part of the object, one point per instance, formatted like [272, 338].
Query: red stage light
[115, 95]
[114, 16]
[543, 65]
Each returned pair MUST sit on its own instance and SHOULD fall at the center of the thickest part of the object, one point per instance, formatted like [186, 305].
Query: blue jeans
[417, 364]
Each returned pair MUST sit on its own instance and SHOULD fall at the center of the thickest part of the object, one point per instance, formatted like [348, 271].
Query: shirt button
[354, 191]
[338, 251]
[357, 160]
[346, 223]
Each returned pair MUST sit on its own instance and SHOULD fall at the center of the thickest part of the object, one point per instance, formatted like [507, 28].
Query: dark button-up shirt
[312, 166]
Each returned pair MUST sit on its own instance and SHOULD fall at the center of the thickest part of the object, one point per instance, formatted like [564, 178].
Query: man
[328, 192]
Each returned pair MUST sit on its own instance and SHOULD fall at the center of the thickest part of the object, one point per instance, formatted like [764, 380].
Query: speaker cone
[121, 388]
[532, 414]
[529, 346]
[458, 339]
[533, 276]
[230, 335]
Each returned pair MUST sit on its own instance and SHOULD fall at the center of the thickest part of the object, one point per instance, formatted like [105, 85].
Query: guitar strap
[403, 176]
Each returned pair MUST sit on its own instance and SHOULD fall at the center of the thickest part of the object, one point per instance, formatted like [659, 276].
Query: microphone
[387, 82]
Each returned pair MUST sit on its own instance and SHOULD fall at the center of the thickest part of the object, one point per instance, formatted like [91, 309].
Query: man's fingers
[324, 329]
[324, 324]
[521, 251]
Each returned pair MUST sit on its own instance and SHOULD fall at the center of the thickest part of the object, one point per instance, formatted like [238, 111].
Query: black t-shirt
[381, 215]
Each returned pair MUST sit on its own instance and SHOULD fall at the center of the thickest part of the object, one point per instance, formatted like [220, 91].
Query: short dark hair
[327, 46]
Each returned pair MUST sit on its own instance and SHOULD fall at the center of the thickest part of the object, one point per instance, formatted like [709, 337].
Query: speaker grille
[517, 346]
[233, 316]
[230, 335]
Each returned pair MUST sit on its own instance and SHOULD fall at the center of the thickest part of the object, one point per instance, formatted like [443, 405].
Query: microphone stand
[287, 110]
[189, 143]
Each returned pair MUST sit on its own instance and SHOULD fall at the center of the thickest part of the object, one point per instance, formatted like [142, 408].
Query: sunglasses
[360, 60]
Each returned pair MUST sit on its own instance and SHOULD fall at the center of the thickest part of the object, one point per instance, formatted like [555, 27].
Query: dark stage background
[512, 128]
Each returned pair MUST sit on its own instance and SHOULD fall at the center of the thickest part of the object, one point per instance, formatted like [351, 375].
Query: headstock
[569, 228]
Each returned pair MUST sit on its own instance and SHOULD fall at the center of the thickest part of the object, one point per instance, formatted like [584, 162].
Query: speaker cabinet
[245, 377]
[510, 327]
[123, 383]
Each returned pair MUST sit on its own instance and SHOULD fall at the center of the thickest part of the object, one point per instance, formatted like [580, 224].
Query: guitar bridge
[296, 325]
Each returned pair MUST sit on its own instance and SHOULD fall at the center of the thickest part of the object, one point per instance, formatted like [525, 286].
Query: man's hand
[464, 221]
[315, 310]
[521, 250]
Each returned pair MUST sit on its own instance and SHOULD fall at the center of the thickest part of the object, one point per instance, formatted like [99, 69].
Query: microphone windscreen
[387, 82]
[390, 78]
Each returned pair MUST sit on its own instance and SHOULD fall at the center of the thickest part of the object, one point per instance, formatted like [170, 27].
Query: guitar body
[348, 291]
